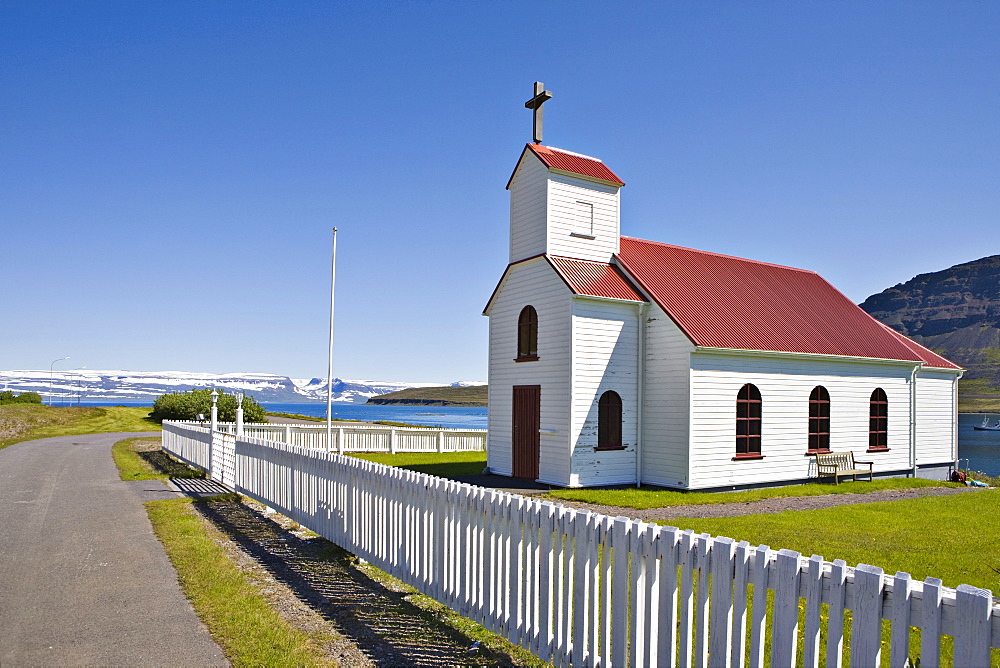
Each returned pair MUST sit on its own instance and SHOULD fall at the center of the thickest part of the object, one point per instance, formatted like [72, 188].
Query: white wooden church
[615, 360]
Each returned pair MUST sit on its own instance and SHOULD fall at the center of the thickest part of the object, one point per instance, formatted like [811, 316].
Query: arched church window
[748, 422]
[527, 335]
[819, 420]
[609, 421]
[878, 421]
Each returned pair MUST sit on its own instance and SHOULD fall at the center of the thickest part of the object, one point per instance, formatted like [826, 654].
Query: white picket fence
[582, 589]
[365, 438]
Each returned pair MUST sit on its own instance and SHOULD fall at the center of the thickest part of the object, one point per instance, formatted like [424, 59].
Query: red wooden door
[524, 430]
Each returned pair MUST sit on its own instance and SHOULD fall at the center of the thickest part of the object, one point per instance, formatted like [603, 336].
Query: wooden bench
[838, 464]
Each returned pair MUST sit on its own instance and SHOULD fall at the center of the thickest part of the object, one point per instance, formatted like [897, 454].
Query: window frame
[527, 335]
[878, 421]
[749, 412]
[610, 424]
[819, 421]
[587, 213]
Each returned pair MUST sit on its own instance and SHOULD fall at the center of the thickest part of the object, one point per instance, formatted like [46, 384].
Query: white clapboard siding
[582, 589]
[785, 385]
[666, 402]
[936, 417]
[532, 283]
[571, 203]
[528, 201]
[605, 357]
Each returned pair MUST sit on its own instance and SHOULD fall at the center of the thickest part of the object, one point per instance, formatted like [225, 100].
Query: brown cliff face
[955, 312]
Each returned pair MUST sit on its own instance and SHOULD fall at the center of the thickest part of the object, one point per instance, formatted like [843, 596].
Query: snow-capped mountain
[136, 385]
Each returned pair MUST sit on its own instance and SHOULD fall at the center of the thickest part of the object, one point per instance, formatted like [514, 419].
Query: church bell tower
[561, 203]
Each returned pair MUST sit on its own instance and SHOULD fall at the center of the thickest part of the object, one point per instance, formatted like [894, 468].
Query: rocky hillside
[956, 312]
[434, 396]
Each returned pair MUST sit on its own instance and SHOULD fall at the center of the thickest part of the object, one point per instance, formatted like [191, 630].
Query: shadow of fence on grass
[167, 465]
[390, 630]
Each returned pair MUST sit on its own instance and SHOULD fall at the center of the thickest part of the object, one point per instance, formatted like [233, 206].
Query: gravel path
[777, 505]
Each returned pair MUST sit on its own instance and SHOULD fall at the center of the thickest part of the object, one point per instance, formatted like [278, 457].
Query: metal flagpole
[329, 366]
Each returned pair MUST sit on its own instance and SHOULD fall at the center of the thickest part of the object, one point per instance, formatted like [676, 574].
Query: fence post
[722, 567]
[899, 648]
[866, 632]
[392, 441]
[440, 443]
[972, 639]
[930, 630]
[340, 440]
[288, 434]
[835, 627]
[786, 610]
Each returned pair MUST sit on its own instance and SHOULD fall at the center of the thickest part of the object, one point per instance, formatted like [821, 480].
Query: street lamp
[50, 376]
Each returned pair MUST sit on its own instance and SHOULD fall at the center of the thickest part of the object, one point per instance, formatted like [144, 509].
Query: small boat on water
[986, 426]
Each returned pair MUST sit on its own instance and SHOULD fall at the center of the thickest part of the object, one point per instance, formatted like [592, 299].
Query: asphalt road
[83, 579]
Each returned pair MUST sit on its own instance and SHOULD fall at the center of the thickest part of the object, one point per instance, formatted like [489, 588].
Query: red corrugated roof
[926, 354]
[595, 279]
[566, 161]
[728, 302]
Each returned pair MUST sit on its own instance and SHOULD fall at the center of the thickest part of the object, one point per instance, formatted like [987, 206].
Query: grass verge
[660, 498]
[443, 464]
[249, 631]
[25, 422]
[142, 459]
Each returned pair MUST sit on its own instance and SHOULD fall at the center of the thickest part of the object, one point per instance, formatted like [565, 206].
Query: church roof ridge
[567, 161]
[721, 301]
[573, 153]
[721, 255]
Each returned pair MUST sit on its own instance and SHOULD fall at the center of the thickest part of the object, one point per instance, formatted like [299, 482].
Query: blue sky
[171, 171]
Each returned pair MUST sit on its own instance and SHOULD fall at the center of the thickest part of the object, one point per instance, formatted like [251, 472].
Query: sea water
[447, 417]
[977, 450]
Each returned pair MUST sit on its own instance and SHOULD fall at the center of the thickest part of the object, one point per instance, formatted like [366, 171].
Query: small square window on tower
[584, 224]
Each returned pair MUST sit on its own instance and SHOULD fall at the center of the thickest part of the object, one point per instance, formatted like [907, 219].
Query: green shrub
[8, 397]
[188, 405]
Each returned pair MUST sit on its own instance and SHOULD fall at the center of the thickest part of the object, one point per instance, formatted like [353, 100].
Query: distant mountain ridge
[955, 312]
[120, 385]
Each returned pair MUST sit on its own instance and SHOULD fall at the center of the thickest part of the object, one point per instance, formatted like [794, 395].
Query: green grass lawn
[443, 464]
[955, 538]
[25, 422]
[142, 459]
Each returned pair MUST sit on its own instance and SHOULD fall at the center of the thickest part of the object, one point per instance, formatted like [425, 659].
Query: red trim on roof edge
[565, 161]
